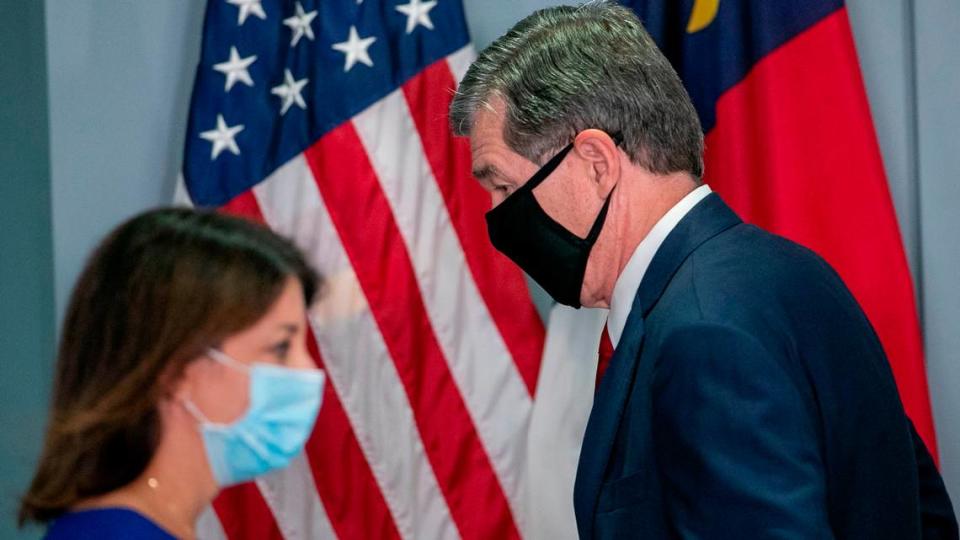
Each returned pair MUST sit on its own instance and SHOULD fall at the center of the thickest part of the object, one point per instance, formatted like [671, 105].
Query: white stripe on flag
[292, 497]
[564, 398]
[482, 366]
[357, 361]
[181, 197]
[460, 61]
[209, 527]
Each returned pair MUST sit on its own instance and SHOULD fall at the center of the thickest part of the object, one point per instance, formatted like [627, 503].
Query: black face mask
[553, 256]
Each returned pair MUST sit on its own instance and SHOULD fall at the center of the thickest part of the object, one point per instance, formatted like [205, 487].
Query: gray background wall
[26, 249]
[93, 101]
[936, 158]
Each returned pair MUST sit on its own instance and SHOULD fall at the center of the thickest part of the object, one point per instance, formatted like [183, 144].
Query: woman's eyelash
[282, 348]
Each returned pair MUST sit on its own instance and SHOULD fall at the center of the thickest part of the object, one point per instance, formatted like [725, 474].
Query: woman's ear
[600, 150]
[177, 384]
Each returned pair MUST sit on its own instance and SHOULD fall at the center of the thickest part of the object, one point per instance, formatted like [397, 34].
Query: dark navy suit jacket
[749, 398]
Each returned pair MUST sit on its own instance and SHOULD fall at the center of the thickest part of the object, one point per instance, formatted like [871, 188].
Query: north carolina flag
[790, 145]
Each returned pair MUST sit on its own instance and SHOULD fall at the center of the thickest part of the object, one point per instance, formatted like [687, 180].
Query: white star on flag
[222, 138]
[300, 24]
[289, 92]
[418, 12]
[236, 69]
[248, 7]
[356, 49]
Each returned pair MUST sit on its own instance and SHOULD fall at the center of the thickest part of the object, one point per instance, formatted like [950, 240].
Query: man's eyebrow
[485, 172]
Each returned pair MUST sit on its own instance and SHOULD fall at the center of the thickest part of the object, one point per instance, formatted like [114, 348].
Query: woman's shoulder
[105, 524]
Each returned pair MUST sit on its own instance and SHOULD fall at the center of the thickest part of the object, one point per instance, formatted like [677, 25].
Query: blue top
[105, 524]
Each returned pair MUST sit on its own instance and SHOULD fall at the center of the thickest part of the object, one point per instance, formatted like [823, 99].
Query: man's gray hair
[565, 69]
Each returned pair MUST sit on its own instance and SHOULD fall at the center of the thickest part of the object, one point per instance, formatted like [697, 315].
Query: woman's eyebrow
[289, 327]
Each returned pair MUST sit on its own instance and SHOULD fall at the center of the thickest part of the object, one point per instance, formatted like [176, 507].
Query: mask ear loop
[598, 224]
[201, 418]
[194, 411]
[547, 169]
[191, 407]
[602, 216]
[227, 360]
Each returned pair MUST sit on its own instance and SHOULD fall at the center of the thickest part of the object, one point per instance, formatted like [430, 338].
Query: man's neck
[637, 205]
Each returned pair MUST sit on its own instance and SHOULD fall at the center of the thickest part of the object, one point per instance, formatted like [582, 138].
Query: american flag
[327, 120]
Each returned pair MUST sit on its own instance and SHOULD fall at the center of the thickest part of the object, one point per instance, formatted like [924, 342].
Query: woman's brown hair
[156, 293]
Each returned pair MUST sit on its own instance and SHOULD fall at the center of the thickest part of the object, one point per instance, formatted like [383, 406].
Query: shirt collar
[629, 280]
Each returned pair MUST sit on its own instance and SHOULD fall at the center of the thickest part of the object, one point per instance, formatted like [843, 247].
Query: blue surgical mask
[284, 403]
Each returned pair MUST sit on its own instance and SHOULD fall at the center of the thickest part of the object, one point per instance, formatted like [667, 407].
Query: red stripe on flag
[345, 484]
[245, 515]
[363, 219]
[350, 494]
[794, 151]
[500, 282]
[244, 205]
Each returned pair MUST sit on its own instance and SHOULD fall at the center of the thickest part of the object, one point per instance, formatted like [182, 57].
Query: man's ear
[600, 150]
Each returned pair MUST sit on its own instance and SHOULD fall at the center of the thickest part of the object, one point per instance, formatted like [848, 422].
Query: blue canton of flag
[275, 76]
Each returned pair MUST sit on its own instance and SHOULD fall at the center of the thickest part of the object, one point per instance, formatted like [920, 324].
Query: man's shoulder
[749, 277]
[746, 246]
[757, 263]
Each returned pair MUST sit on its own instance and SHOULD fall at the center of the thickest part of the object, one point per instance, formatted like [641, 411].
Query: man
[748, 396]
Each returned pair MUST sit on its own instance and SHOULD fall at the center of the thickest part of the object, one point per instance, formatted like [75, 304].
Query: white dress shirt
[629, 280]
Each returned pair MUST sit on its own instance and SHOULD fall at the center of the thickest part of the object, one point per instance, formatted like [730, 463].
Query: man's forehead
[491, 157]
[487, 126]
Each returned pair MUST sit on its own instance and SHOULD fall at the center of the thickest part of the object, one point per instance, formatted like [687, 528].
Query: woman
[182, 369]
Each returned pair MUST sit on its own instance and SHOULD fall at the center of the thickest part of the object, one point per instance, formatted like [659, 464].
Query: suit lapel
[707, 219]
[604, 421]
